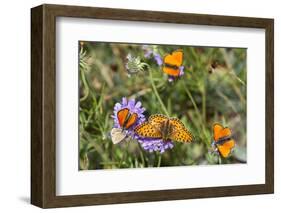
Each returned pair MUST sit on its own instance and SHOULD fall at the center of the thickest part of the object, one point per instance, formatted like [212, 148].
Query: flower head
[133, 107]
[158, 59]
[85, 61]
[134, 65]
[151, 52]
[154, 145]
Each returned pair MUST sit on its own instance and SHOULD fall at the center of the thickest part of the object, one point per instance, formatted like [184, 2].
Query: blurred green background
[213, 89]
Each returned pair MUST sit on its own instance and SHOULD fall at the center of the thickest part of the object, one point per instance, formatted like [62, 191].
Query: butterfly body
[162, 127]
[172, 63]
[166, 130]
[170, 66]
[223, 142]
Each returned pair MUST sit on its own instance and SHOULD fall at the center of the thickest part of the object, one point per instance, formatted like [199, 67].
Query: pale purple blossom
[150, 53]
[134, 107]
[155, 145]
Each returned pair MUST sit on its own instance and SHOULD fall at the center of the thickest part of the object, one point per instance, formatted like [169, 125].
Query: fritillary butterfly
[163, 127]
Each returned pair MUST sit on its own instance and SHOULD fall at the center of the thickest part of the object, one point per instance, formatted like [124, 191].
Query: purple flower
[154, 145]
[134, 107]
[149, 52]
[158, 59]
[173, 78]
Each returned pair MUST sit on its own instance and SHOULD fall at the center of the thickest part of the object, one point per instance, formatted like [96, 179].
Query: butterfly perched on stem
[126, 120]
[172, 63]
[223, 141]
[162, 127]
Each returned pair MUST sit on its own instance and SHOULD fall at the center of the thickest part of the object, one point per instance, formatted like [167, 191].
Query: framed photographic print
[136, 106]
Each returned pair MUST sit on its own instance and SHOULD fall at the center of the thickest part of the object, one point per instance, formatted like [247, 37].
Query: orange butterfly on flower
[162, 127]
[223, 141]
[172, 63]
[126, 120]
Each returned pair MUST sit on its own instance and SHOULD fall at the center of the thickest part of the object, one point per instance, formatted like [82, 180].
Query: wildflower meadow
[147, 105]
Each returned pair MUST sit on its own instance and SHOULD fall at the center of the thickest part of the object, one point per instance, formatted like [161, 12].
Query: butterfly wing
[171, 71]
[219, 131]
[132, 120]
[175, 58]
[226, 148]
[117, 135]
[180, 133]
[148, 130]
[122, 115]
[178, 56]
[157, 119]
[172, 62]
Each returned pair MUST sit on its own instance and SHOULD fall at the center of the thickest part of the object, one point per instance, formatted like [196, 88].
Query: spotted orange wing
[157, 119]
[172, 62]
[122, 115]
[226, 148]
[180, 132]
[148, 130]
[132, 120]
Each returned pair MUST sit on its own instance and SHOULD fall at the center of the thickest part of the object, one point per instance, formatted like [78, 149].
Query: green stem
[192, 101]
[204, 104]
[159, 160]
[87, 90]
[141, 155]
[125, 154]
[157, 94]
[196, 110]
[232, 73]
[89, 118]
[219, 159]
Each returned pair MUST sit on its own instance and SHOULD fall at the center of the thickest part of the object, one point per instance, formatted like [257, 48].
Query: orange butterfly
[126, 119]
[172, 63]
[223, 140]
[165, 128]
